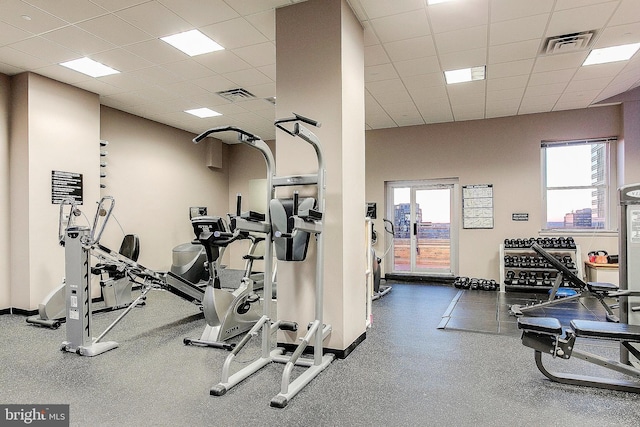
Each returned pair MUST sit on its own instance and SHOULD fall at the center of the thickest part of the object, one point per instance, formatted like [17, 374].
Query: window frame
[610, 186]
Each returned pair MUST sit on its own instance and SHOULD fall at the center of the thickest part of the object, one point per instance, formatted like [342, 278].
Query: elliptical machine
[227, 313]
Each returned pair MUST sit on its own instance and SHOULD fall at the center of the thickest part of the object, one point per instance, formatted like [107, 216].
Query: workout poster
[477, 206]
[66, 185]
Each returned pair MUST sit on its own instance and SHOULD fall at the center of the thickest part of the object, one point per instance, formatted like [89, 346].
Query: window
[577, 183]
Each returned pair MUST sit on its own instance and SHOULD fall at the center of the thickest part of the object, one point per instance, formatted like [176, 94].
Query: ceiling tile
[414, 67]
[188, 69]
[10, 34]
[121, 60]
[621, 34]
[455, 15]
[266, 90]
[503, 95]
[114, 30]
[78, 40]
[70, 10]
[410, 48]
[531, 27]
[248, 7]
[513, 51]
[402, 26]
[502, 10]
[265, 22]
[157, 51]
[46, 50]
[258, 55]
[468, 111]
[380, 72]
[39, 21]
[124, 81]
[214, 83]
[234, 33]
[375, 55]
[380, 121]
[461, 40]
[269, 71]
[545, 90]
[464, 59]
[559, 62]
[113, 5]
[370, 37]
[155, 19]
[580, 19]
[551, 77]
[206, 13]
[599, 70]
[185, 89]
[514, 68]
[588, 85]
[379, 8]
[222, 61]
[62, 74]
[503, 83]
[248, 77]
[99, 87]
[156, 75]
[388, 91]
[9, 70]
[627, 12]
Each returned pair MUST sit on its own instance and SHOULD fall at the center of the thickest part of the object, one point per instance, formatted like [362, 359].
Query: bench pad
[545, 325]
[606, 330]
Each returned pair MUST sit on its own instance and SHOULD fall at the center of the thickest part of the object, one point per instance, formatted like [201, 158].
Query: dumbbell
[508, 279]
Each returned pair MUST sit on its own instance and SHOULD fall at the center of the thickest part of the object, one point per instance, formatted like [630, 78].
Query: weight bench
[598, 290]
[545, 335]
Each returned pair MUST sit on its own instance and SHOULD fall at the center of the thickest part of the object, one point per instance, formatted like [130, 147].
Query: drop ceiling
[408, 45]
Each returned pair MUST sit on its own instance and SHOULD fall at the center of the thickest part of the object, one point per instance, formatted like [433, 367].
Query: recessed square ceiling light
[89, 67]
[192, 43]
[203, 112]
[611, 54]
[465, 75]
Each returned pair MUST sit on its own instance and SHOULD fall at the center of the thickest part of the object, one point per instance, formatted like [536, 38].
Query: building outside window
[578, 181]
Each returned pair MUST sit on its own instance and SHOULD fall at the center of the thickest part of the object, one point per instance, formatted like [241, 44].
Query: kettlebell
[598, 257]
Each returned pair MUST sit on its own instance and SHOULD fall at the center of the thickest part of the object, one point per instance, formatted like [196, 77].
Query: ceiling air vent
[567, 43]
[235, 95]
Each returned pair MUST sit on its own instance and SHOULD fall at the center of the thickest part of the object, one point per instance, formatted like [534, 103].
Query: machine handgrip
[308, 120]
[203, 135]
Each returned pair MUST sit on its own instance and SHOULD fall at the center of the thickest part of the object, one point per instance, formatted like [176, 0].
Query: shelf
[563, 252]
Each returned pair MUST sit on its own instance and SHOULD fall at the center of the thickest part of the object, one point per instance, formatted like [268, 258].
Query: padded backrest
[568, 274]
[289, 248]
[130, 247]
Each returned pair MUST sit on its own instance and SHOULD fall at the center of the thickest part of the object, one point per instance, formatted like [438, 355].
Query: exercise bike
[227, 313]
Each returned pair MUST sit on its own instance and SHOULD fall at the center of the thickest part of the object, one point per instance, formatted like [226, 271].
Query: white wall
[54, 126]
[504, 152]
[155, 173]
[5, 288]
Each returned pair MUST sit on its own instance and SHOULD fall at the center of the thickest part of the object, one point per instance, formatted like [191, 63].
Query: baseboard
[340, 354]
[18, 311]
[420, 278]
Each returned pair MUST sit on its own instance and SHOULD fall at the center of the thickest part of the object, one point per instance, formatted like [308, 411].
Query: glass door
[425, 239]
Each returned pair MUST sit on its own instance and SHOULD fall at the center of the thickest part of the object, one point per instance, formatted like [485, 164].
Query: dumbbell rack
[531, 273]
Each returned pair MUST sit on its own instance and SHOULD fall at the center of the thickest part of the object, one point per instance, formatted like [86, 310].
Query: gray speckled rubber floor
[405, 373]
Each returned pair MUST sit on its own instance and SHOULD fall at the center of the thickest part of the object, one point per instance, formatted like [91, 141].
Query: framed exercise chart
[477, 206]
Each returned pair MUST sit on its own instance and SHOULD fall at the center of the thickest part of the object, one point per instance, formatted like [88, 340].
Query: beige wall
[321, 75]
[247, 175]
[5, 253]
[504, 152]
[155, 173]
[53, 127]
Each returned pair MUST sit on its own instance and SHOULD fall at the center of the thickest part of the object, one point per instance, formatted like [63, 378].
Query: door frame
[453, 184]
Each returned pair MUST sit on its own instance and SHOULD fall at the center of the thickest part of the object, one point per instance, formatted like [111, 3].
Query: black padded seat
[544, 325]
[606, 330]
[602, 286]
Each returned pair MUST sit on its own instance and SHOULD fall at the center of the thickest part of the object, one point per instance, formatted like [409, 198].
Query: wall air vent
[235, 95]
[567, 43]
